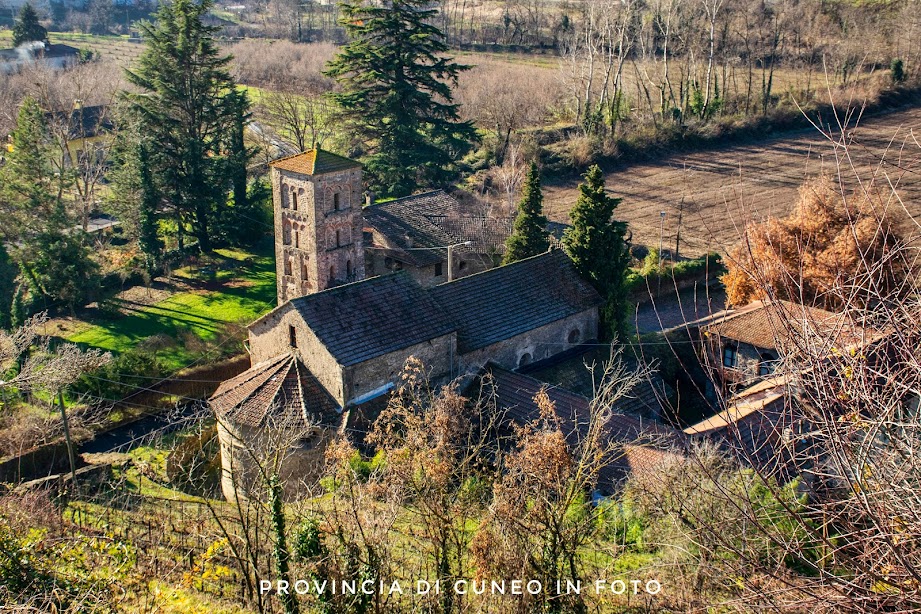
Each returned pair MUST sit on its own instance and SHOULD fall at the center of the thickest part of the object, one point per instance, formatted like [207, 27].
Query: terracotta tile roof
[280, 392]
[642, 441]
[360, 321]
[778, 325]
[314, 162]
[506, 301]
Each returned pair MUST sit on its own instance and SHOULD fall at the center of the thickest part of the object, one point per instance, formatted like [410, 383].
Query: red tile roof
[780, 325]
[314, 162]
[280, 392]
[643, 443]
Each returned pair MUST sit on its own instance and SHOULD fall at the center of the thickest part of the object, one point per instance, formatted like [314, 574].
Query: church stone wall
[271, 336]
[371, 375]
[243, 448]
[538, 344]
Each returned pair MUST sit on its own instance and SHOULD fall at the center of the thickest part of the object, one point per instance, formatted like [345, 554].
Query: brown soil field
[717, 192]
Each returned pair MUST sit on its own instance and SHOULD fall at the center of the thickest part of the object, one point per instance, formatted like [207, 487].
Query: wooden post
[70, 443]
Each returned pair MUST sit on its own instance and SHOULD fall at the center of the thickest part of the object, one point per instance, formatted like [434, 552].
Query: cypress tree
[596, 243]
[27, 28]
[529, 236]
[149, 240]
[186, 106]
[396, 92]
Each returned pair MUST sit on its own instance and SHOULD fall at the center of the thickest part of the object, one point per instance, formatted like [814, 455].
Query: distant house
[745, 345]
[87, 130]
[412, 234]
[55, 56]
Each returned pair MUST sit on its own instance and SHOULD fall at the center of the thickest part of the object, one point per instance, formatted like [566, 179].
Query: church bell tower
[317, 197]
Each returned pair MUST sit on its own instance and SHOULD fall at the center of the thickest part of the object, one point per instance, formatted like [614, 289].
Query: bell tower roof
[314, 162]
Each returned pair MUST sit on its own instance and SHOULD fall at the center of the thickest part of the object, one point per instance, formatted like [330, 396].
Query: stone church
[361, 288]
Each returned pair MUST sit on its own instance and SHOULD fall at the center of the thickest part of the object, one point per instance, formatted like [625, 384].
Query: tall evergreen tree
[148, 225]
[186, 106]
[51, 255]
[396, 92]
[27, 179]
[27, 28]
[529, 237]
[596, 242]
[8, 273]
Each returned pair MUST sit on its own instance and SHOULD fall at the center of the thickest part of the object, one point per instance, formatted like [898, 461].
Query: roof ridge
[401, 199]
[238, 380]
[351, 284]
[503, 267]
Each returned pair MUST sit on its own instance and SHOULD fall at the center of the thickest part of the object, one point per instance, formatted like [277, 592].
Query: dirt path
[723, 189]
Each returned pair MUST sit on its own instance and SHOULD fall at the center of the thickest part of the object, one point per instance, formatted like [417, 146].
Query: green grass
[241, 293]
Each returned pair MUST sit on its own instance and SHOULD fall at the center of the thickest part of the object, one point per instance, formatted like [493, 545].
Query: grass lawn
[235, 287]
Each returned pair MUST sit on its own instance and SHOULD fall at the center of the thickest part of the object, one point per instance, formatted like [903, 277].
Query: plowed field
[719, 191]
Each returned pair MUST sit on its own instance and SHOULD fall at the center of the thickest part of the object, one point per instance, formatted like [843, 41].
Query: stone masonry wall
[371, 375]
[270, 337]
[537, 344]
[316, 245]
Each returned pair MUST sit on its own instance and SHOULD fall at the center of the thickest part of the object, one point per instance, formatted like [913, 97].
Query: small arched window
[524, 360]
[305, 272]
[284, 202]
[293, 199]
[336, 202]
[348, 268]
[338, 238]
[574, 336]
[332, 272]
[287, 266]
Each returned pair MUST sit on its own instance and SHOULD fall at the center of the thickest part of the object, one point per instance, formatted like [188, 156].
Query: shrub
[123, 375]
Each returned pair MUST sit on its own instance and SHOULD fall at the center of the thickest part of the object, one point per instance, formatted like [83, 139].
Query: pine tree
[27, 28]
[186, 106]
[396, 92]
[596, 243]
[51, 256]
[529, 237]
[27, 178]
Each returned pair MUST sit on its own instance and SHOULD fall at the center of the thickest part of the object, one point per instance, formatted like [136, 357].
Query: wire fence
[209, 546]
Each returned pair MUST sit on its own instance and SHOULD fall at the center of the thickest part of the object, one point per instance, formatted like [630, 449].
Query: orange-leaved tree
[833, 250]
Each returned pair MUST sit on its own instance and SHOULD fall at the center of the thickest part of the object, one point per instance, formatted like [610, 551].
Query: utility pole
[67, 438]
[661, 235]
